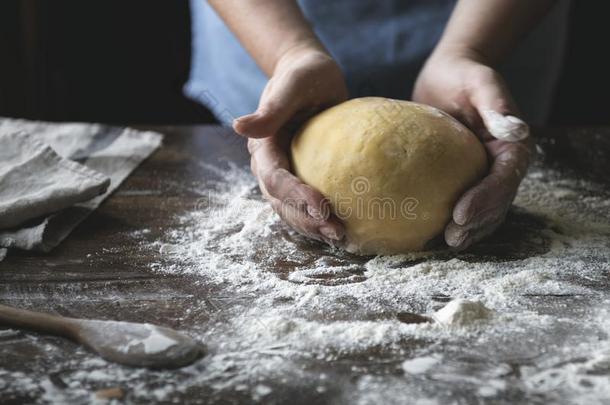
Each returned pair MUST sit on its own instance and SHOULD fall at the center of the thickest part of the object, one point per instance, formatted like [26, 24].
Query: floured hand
[304, 82]
[465, 87]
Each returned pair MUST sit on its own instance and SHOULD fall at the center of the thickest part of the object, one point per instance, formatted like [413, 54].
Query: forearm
[268, 29]
[491, 28]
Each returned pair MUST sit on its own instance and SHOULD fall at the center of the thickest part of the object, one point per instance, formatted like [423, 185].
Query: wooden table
[99, 272]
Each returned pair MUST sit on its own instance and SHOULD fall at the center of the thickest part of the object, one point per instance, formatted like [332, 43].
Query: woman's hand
[305, 80]
[462, 84]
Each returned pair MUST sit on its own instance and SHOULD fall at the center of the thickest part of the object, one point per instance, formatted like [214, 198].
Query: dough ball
[392, 170]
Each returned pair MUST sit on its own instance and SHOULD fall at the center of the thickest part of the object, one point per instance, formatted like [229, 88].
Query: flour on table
[420, 365]
[237, 242]
[324, 304]
[296, 305]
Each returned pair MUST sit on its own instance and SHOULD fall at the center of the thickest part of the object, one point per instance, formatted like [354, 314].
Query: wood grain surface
[100, 272]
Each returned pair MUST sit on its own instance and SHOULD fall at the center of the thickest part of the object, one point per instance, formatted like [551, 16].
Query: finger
[492, 195]
[266, 154]
[460, 238]
[272, 168]
[483, 208]
[485, 222]
[270, 164]
[279, 103]
[300, 221]
[505, 127]
[497, 109]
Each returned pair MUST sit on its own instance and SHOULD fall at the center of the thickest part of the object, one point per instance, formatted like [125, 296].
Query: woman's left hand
[465, 86]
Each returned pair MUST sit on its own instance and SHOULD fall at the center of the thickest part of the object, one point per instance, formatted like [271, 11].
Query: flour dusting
[505, 127]
[316, 302]
[526, 308]
[309, 301]
[154, 342]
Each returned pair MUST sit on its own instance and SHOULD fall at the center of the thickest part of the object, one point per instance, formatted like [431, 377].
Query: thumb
[278, 104]
[498, 111]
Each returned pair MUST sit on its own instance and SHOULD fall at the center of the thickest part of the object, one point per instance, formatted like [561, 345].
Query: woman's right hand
[304, 82]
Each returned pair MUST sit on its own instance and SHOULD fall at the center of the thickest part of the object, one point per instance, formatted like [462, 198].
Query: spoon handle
[36, 321]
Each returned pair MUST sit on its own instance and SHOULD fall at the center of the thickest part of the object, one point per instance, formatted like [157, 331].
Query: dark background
[125, 61]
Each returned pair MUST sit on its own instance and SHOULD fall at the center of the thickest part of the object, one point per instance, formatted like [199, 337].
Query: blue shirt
[380, 45]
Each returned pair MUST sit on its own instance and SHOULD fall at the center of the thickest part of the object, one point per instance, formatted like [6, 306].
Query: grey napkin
[36, 181]
[94, 153]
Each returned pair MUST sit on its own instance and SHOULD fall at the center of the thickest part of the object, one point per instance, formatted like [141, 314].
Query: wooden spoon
[132, 344]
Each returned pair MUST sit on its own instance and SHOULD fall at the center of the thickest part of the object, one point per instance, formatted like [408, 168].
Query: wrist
[310, 47]
[447, 50]
[306, 50]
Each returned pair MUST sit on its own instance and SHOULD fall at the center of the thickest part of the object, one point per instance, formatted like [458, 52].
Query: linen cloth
[98, 157]
[35, 181]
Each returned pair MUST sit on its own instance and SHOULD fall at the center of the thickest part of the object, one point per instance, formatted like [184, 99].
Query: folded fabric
[36, 181]
[104, 152]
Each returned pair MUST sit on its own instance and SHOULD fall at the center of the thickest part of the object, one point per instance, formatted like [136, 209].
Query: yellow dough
[392, 170]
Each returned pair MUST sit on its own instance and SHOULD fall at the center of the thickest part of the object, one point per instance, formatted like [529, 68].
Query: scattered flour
[420, 365]
[305, 304]
[295, 306]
